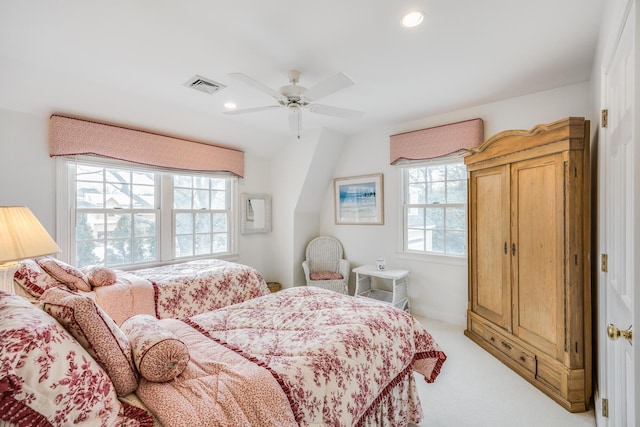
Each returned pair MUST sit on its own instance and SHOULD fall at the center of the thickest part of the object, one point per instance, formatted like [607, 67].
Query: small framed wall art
[359, 200]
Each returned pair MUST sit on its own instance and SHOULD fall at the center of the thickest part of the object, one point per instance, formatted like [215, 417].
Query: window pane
[89, 195]
[89, 173]
[417, 194]
[184, 245]
[143, 178]
[201, 182]
[436, 173]
[219, 200]
[435, 193]
[456, 191]
[182, 181]
[203, 223]
[119, 225]
[143, 196]
[203, 244]
[118, 176]
[456, 242]
[456, 219]
[456, 171]
[437, 241]
[184, 223]
[145, 225]
[415, 240]
[119, 252]
[415, 217]
[218, 184]
[220, 243]
[145, 249]
[182, 198]
[118, 195]
[220, 222]
[435, 217]
[417, 175]
[201, 199]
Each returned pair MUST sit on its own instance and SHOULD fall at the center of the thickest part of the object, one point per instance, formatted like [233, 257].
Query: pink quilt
[190, 288]
[339, 361]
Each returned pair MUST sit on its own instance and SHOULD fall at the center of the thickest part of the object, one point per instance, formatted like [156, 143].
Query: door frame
[627, 9]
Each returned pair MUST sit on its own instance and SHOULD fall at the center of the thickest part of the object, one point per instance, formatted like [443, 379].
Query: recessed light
[413, 18]
[230, 106]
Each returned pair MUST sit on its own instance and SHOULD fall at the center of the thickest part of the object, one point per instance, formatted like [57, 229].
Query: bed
[303, 356]
[175, 290]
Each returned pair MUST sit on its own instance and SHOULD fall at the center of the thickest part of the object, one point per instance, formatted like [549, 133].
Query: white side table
[397, 297]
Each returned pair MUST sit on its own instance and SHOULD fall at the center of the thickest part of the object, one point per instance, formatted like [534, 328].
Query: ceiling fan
[294, 97]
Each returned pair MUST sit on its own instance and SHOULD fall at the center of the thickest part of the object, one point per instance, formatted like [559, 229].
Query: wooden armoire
[529, 256]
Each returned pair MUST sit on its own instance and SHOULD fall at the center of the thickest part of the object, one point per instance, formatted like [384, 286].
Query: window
[121, 215]
[435, 207]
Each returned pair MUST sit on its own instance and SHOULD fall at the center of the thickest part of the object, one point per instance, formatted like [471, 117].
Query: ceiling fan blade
[328, 110]
[256, 84]
[252, 110]
[327, 87]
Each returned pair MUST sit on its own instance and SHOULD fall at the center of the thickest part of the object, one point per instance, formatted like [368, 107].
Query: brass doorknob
[615, 333]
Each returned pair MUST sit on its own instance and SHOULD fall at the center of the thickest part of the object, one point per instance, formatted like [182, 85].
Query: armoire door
[537, 252]
[489, 218]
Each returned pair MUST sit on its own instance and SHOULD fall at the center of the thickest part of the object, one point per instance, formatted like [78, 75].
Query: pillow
[67, 274]
[96, 332]
[157, 352]
[47, 378]
[100, 276]
[325, 275]
[34, 279]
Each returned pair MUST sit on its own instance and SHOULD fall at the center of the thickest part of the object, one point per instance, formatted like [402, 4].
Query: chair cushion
[325, 275]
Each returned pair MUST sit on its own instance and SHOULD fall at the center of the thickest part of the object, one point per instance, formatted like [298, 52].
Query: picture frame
[359, 200]
[255, 216]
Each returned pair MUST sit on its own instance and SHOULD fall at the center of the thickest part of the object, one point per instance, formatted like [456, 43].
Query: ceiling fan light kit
[295, 97]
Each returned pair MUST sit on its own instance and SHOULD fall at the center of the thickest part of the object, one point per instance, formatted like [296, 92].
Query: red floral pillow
[157, 352]
[67, 274]
[34, 279]
[47, 378]
[325, 275]
[96, 332]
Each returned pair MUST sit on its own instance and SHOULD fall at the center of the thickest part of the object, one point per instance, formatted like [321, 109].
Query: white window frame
[65, 210]
[404, 252]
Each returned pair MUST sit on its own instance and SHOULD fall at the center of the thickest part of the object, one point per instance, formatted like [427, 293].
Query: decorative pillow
[96, 332]
[325, 275]
[100, 276]
[34, 279]
[67, 274]
[47, 378]
[157, 352]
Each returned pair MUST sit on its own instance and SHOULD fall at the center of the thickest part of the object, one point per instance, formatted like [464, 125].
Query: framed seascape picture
[359, 199]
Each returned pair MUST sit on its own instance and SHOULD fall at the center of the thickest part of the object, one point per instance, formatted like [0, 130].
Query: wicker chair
[325, 266]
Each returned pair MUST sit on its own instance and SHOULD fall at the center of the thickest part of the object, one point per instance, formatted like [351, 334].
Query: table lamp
[21, 236]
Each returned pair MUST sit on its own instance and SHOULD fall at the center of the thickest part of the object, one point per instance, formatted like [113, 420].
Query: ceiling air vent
[203, 84]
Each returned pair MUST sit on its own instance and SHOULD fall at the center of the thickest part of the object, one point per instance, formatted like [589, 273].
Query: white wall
[438, 286]
[27, 173]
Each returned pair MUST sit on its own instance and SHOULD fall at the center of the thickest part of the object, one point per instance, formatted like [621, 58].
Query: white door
[618, 205]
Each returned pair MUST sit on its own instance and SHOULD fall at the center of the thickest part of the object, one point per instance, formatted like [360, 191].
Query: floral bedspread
[190, 288]
[338, 359]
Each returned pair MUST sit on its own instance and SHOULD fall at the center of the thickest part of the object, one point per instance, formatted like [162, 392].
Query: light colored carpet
[476, 390]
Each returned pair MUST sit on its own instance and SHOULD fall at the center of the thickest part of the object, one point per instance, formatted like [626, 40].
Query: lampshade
[22, 235]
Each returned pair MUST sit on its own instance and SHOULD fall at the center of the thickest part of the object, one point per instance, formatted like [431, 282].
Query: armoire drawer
[505, 345]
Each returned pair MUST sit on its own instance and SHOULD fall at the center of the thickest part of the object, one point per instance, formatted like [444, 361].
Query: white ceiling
[125, 61]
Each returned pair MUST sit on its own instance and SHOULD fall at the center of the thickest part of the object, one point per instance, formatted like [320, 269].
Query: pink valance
[437, 141]
[69, 136]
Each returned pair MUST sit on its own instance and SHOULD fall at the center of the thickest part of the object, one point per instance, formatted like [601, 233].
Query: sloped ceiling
[126, 61]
